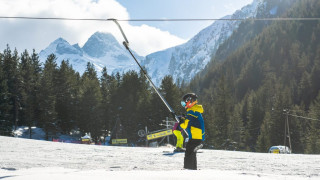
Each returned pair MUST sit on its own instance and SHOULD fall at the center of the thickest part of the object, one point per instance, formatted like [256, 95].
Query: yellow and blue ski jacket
[194, 123]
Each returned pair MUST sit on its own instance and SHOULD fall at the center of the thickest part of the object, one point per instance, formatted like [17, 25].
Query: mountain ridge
[182, 62]
[101, 49]
[188, 59]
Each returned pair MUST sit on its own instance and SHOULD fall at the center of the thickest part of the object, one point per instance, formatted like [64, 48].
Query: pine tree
[158, 112]
[35, 94]
[236, 130]
[222, 115]
[6, 123]
[255, 117]
[171, 93]
[305, 89]
[109, 88]
[114, 82]
[315, 77]
[47, 104]
[66, 84]
[27, 89]
[313, 138]
[130, 98]
[90, 104]
[299, 129]
[144, 106]
[10, 66]
[105, 100]
[264, 142]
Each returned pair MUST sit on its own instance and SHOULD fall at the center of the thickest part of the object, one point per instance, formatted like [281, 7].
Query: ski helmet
[188, 100]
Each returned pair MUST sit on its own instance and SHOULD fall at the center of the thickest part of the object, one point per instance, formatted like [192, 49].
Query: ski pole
[126, 45]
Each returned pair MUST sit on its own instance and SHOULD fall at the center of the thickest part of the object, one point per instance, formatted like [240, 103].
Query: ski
[171, 153]
[198, 147]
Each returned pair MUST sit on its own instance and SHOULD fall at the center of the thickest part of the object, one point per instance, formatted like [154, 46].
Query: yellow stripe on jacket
[194, 122]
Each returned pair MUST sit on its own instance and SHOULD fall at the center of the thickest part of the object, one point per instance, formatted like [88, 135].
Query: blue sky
[175, 9]
[144, 37]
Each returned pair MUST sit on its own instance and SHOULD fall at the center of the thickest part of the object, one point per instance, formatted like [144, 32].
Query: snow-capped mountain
[183, 62]
[101, 49]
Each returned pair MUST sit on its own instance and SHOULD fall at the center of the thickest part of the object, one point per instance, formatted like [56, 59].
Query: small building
[280, 150]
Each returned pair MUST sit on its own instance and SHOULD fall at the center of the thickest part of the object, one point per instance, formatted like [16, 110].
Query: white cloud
[38, 34]
[149, 39]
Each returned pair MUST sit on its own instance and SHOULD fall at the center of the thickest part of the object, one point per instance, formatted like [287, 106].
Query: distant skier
[177, 131]
[194, 125]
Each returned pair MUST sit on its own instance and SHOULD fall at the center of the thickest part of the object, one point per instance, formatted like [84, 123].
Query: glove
[181, 119]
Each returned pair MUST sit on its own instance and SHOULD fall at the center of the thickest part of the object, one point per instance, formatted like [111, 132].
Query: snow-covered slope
[101, 49]
[185, 61]
[35, 159]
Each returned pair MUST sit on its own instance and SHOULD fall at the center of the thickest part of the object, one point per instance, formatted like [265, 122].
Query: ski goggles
[183, 104]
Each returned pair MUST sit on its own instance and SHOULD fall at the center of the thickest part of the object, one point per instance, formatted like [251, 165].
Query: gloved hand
[181, 119]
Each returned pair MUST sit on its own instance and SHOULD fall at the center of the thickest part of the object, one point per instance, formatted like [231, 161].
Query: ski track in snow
[35, 159]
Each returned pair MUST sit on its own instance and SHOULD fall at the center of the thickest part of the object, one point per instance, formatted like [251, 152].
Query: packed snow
[37, 159]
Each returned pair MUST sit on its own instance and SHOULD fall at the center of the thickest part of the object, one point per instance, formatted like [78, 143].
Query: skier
[194, 125]
[177, 131]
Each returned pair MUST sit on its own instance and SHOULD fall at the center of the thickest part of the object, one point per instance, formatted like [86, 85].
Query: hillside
[183, 62]
[278, 69]
[35, 159]
[248, 30]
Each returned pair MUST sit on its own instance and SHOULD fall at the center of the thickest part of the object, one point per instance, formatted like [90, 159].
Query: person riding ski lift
[194, 125]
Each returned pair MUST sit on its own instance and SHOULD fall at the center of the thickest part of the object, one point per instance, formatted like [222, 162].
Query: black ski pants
[190, 157]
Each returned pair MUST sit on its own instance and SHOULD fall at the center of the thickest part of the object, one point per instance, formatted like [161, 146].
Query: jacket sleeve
[184, 125]
[175, 127]
[202, 128]
[187, 121]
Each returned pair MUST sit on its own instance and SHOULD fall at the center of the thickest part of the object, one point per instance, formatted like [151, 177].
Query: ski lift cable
[227, 19]
[304, 117]
[165, 19]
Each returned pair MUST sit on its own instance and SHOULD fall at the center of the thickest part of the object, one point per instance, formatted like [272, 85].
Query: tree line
[245, 95]
[60, 100]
